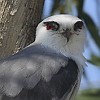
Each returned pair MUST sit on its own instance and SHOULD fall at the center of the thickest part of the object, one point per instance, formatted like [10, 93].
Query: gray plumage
[30, 75]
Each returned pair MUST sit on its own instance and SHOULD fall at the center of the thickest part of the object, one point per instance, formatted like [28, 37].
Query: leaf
[89, 94]
[55, 6]
[79, 6]
[92, 28]
[95, 60]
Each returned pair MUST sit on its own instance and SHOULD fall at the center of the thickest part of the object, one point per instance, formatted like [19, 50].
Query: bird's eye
[78, 25]
[51, 25]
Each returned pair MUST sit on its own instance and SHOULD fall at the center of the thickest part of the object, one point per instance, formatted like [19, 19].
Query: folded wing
[26, 68]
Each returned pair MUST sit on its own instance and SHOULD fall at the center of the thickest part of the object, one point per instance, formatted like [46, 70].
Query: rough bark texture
[18, 20]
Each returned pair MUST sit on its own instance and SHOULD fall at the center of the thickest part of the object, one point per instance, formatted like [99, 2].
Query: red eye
[51, 25]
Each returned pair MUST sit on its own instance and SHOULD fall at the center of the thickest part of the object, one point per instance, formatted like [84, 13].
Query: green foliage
[81, 97]
[79, 6]
[95, 60]
[92, 28]
[90, 94]
[58, 6]
[55, 6]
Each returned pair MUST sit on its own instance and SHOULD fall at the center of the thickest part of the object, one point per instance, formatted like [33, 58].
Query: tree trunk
[18, 20]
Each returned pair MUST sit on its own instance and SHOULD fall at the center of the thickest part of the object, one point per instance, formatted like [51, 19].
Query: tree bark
[18, 21]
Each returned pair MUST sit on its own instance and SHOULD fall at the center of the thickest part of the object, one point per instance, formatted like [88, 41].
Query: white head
[63, 33]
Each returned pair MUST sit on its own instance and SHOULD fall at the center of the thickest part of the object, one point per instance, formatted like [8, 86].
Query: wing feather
[26, 68]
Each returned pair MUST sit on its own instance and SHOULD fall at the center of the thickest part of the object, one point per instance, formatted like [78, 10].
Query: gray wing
[25, 69]
[62, 86]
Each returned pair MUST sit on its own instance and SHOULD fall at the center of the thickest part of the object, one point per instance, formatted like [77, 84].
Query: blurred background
[89, 12]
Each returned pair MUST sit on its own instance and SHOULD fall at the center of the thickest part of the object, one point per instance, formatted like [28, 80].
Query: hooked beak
[67, 33]
[77, 26]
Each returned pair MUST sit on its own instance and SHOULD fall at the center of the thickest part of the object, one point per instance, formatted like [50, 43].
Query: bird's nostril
[78, 25]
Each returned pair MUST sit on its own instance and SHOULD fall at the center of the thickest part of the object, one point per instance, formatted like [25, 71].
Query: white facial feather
[53, 39]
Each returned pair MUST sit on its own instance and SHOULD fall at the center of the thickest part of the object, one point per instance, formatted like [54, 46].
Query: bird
[51, 67]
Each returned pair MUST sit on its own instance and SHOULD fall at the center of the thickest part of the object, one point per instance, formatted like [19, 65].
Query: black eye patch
[51, 25]
[78, 25]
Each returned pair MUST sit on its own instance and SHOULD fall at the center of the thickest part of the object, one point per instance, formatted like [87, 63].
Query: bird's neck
[72, 50]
